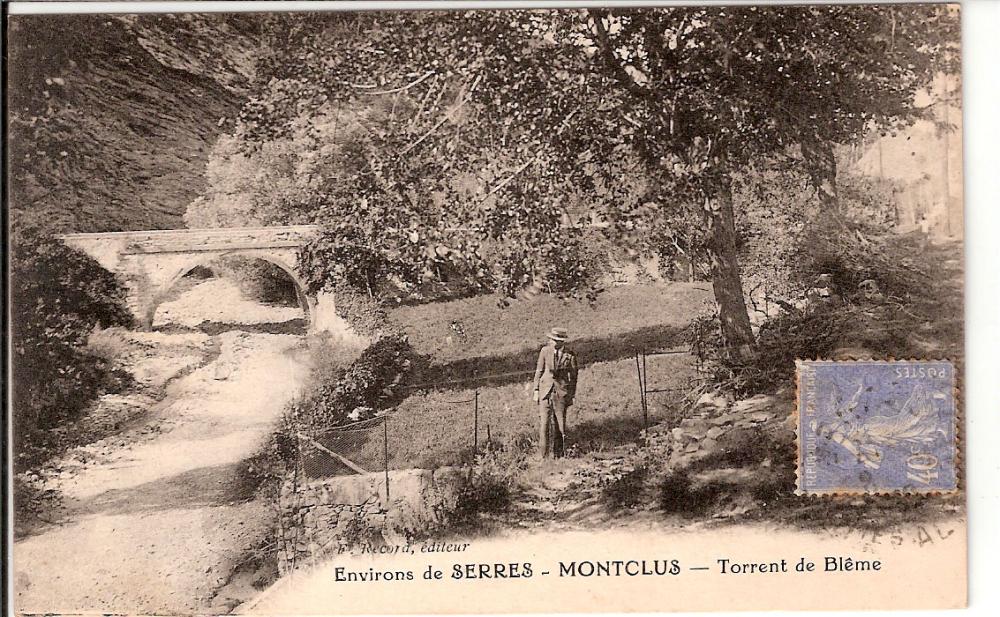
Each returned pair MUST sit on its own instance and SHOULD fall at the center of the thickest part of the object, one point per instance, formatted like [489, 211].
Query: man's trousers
[552, 424]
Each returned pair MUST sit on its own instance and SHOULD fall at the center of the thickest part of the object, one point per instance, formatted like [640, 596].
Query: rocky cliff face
[111, 118]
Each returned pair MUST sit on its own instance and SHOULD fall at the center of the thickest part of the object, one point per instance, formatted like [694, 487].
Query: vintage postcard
[592, 309]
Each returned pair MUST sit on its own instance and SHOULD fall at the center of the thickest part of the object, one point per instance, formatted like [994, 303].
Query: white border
[981, 51]
[981, 48]
[40, 8]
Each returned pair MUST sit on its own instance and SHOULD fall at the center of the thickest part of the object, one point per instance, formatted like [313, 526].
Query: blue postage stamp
[876, 426]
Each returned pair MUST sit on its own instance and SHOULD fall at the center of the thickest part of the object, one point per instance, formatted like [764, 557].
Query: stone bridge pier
[151, 262]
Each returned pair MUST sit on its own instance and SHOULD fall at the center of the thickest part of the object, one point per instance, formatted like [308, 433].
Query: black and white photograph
[486, 309]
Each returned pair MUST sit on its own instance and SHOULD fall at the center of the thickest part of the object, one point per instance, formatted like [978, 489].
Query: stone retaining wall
[329, 516]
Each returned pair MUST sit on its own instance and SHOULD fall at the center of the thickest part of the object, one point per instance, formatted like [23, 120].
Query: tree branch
[391, 91]
[610, 58]
[507, 180]
[630, 120]
[444, 118]
[423, 101]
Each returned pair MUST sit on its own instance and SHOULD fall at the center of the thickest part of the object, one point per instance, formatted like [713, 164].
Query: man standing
[555, 387]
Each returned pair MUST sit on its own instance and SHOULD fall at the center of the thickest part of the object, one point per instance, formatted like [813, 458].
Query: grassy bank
[465, 341]
[479, 328]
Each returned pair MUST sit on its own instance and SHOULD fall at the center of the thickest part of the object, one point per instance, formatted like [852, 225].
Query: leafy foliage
[435, 164]
[627, 490]
[772, 205]
[784, 243]
[353, 255]
[361, 390]
[485, 143]
[863, 198]
[366, 315]
[763, 451]
[867, 277]
[492, 480]
[58, 296]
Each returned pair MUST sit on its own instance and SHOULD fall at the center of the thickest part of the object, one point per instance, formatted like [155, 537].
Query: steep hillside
[111, 117]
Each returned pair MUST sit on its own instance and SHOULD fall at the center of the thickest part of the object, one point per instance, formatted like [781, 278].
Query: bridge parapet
[194, 240]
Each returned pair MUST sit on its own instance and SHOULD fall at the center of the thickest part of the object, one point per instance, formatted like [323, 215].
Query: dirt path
[157, 523]
[568, 494]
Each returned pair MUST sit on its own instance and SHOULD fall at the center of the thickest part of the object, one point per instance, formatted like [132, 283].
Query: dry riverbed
[152, 518]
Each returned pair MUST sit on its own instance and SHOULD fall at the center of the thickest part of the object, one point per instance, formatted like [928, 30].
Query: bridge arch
[306, 302]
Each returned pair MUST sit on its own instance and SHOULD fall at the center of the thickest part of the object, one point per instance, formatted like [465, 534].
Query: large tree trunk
[726, 282]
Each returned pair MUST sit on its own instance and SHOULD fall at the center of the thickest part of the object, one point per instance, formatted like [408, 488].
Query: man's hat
[558, 334]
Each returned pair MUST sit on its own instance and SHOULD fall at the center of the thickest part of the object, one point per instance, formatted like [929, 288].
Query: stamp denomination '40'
[868, 427]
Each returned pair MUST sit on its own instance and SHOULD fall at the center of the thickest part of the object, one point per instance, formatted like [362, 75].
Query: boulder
[712, 401]
[754, 403]
[714, 432]
[725, 419]
[694, 425]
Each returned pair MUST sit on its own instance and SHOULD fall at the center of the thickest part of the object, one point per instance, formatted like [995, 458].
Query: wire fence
[363, 447]
[368, 446]
[354, 448]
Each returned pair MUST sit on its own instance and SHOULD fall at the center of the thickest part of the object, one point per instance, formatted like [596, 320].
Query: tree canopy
[490, 145]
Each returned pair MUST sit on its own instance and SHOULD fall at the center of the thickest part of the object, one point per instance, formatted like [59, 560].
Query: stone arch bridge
[151, 262]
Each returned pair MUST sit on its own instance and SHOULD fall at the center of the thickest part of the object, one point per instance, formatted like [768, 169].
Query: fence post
[475, 429]
[638, 375]
[642, 386]
[385, 453]
[645, 407]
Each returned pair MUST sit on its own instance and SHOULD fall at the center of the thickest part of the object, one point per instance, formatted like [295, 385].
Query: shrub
[359, 391]
[800, 334]
[108, 344]
[493, 478]
[327, 358]
[772, 204]
[769, 456]
[482, 494]
[679, 495]
[32, 502]
[576, 266]
[850, 256]
[807, 335]
[866, 198]
[58, 296]
[786, 242]
[366, 315]
[627, 490]
[866, 273]
[264, 472]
